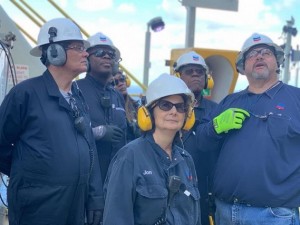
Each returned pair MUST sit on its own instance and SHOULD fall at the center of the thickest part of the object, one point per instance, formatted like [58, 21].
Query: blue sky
[125, 23]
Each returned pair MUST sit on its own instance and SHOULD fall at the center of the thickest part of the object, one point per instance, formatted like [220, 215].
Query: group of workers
[84, 152]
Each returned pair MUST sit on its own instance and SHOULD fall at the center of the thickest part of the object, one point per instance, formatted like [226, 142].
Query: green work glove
[231, 118]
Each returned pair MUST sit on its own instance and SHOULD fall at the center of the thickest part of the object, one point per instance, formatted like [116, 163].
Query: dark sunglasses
[101, 53]
[167, 106]
[116, 82]
[191, 71]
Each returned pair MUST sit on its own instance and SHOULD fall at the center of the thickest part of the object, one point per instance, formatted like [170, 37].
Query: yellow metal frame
[230, 55]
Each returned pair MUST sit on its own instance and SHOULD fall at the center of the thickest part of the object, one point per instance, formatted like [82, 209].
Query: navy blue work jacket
[104, 112]
[48, 160]
[137, 186]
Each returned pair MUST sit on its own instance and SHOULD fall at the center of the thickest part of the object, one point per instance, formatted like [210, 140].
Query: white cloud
[126, 8]
[173, 9]
[94, 5]
[64, 3]
[284, 4]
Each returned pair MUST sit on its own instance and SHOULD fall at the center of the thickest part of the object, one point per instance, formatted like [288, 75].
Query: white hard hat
[166, 85]
[254, 40]
[190, 58]
[101, 39]
[63, 29]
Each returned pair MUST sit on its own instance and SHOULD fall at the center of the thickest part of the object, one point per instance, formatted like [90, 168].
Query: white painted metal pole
[147, 57]
[190, 26]
[287, 53]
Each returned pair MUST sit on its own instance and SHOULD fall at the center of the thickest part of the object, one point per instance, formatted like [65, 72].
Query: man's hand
[109, 133]
[94, 217]
[231, 118]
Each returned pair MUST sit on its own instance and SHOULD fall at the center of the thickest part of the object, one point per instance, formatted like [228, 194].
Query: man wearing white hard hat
[257, 134]
[192, 69]
[106, 105]
[46, 142]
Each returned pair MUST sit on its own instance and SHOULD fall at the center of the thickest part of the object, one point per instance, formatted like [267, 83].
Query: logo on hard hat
[257, 38]
[103, 39]
[195, 58]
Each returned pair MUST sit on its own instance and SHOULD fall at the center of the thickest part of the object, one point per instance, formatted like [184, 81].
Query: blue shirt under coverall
[259, 163]
[137, 186]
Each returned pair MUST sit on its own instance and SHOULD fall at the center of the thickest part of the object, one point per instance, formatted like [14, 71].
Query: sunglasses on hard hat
[116, 82]
[102, 53]
[167, 106]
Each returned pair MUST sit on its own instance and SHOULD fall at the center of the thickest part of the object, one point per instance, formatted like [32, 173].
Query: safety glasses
[101, 53]
[115, 82]
[77, 48]
[254, 53]
[167, 106]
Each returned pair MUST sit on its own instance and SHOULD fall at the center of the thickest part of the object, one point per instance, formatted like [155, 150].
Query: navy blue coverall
[106, 108]
[136, 187]
[48, 160]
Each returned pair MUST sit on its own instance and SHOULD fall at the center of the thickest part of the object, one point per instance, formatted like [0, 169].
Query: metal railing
[85, 33]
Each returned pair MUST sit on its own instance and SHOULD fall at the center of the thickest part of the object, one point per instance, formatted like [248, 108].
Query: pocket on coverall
[150, 203]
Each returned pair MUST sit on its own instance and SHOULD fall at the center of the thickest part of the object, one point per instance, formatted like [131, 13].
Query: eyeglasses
[191, 71]
[77, 48]
[254, 53]
[115, 82]
[266, 116]
[167, 106]
[101, 53]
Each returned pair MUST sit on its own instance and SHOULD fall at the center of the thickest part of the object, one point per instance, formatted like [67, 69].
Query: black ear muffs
[144, 119]
[56, 55]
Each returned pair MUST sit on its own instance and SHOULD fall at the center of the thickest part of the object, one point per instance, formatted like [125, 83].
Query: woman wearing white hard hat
[151, 179]
[192, 69]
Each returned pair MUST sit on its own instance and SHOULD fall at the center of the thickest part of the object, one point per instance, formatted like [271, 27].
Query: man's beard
[261, 75]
